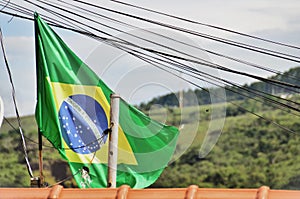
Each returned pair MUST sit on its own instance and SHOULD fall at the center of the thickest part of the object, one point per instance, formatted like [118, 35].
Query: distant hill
[251, 152]
[291, 76]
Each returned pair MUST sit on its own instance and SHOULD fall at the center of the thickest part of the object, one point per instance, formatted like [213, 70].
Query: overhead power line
[90, 12]
[208, 25]
[23, 142]
[217, 54]
[202, 35]
[203, 62]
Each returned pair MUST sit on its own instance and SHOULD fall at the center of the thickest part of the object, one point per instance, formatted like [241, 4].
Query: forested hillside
[250, 152]
[291, 76]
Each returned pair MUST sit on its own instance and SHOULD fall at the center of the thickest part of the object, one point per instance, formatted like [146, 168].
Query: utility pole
[181, 99]
[113, 141]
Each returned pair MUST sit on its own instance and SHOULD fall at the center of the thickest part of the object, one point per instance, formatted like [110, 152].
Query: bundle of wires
[112, 27]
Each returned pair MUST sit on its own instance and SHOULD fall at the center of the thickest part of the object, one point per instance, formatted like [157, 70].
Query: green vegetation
[12, 165]
[203, 97]
[250, 152]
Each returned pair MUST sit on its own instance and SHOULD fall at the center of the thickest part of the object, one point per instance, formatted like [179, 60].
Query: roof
[124, 192]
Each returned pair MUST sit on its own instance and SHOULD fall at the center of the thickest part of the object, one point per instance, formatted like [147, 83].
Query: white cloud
[20, 55]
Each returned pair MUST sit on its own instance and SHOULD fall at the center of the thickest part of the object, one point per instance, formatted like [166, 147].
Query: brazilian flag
[73, 111]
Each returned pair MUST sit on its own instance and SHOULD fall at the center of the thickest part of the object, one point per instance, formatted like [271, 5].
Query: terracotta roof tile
[124, 192]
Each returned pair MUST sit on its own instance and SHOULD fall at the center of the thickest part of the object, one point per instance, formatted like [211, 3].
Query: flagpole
[40, 140]
[113, 141]
[41, 180]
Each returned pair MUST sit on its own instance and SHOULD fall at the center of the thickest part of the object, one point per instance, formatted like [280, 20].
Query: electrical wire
[90, 12]
[185, 60]
[218, 66]
[207, 25]
[195, 33]
[187, 69]
[235, 104]
[247, 46]
[174, 65]
[222, 67]
[99, 140]
[27, 138]
[272, 71]
[288, 86]
[16, 107]
[192, 73]
[3, 7]
[79, 170]
[266, 96]
[129, 25]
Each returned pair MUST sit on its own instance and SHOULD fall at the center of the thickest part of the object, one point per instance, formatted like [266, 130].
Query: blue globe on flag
[83, 122]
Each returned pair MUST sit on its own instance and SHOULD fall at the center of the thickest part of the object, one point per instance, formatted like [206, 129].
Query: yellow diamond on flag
[62, 93]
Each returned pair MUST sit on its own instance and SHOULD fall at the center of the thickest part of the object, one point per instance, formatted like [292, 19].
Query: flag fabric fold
[73, 111]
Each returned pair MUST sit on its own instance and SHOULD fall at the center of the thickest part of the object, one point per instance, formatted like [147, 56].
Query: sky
[135, 80]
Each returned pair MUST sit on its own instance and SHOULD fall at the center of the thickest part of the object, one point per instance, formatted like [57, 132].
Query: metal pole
[113, 141]
[38, 181]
